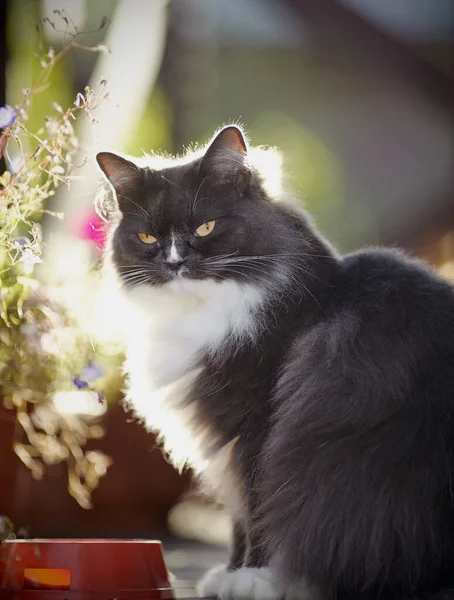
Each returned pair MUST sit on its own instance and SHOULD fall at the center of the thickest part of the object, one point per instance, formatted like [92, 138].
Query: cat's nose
[175, 263]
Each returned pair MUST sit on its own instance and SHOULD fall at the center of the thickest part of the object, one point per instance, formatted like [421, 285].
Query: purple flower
[8, 115]
[92, 372]
[80, 383]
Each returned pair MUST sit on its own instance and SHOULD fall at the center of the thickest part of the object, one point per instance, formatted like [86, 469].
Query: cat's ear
[226, 156]
[123, 175]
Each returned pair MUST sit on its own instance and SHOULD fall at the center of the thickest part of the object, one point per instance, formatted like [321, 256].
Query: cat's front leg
[239, 548]
[244, 577]
[252, 579]
[211, 583]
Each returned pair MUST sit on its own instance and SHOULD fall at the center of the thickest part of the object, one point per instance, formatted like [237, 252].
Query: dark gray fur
[344, 405]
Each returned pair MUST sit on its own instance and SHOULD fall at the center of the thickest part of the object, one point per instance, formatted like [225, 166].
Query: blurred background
[357, 94]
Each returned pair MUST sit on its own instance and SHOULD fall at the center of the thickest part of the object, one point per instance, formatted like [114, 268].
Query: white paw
[251, 584]
[210, 584]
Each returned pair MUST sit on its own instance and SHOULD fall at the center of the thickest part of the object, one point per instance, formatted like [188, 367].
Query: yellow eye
[146, 238]
[205, 229]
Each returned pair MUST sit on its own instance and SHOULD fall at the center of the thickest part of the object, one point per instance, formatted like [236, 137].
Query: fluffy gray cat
[312, 393]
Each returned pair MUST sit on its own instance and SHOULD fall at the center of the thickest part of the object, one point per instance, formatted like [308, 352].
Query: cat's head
[206, 218]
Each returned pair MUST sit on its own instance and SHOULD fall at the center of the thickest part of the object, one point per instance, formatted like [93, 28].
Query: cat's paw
[251, 584]
[210, 584]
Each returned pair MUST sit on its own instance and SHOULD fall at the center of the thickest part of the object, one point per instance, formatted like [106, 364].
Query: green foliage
[312, 168]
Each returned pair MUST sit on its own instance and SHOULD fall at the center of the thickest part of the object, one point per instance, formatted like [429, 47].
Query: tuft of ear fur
[226, 156]
[123, 175]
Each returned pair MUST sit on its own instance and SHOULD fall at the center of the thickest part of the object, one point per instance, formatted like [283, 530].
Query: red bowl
[83, 570]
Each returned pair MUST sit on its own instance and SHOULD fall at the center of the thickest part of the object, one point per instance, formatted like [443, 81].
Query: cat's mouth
[182, 283]
[176, 278]
[177, 273]
[186, 271]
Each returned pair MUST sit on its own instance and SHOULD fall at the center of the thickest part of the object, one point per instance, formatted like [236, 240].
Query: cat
[312, 393]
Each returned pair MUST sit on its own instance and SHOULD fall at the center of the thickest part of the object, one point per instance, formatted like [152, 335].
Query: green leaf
[4, 179]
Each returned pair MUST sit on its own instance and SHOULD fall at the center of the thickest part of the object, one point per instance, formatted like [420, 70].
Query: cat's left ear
[123, 175]
[226, 156]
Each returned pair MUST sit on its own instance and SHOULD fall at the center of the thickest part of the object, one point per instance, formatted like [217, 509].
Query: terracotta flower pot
[132, 500]
[8, 460]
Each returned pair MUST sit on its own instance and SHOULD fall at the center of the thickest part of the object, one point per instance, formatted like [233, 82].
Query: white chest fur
[168, 330]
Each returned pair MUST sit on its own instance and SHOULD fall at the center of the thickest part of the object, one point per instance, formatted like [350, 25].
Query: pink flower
[89, 226]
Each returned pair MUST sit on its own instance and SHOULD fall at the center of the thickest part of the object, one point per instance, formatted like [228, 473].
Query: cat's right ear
[226, 156]
[123, 175]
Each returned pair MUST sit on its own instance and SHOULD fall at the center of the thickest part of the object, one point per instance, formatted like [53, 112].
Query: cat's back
[396, 318]
[388, 289]
[387, 335]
